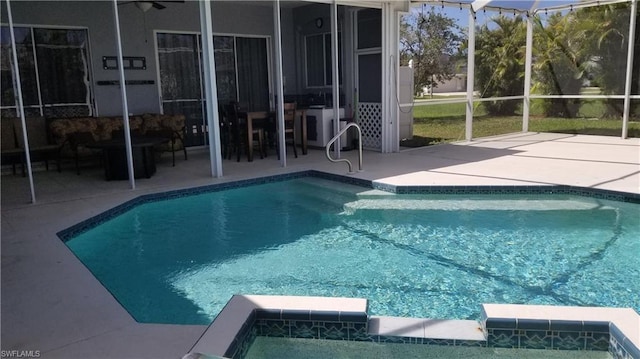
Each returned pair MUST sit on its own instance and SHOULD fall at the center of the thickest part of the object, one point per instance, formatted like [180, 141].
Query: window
[54, 72]
[369, 29]
[318, 60]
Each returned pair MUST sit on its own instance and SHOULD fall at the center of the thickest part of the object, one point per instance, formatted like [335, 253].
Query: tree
[606, 31]
[561, 63]
[432, 41]
[588, 45]
[500, 54]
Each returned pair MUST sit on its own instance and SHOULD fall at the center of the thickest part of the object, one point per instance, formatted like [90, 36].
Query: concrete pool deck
[53, 305]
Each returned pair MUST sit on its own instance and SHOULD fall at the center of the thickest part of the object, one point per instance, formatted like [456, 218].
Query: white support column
[210, 90]
[627, 83]
[470, 74]
[18, 84]
[279, 87]
[123, 93]
[395, 78]
[526, 106]
[334, 75]
[387, 84]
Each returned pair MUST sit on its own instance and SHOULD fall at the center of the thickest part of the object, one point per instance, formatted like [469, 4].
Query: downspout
[279, 88]
[25, 137]
[470, 74]
[527, 75]
[627, 84]
[123, 92]
[210, 90]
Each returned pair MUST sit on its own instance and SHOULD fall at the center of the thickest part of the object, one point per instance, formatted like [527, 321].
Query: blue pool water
[180, 260]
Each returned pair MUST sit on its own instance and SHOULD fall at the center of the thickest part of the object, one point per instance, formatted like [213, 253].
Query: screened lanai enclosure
[484, 68]
[402, 70]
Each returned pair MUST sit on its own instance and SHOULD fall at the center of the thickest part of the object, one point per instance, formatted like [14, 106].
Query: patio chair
[225, 132]
[238, 132]
[11, 152]
[40, 146]
[290, 130]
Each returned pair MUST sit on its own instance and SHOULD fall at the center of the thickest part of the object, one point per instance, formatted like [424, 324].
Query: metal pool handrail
[352, 124]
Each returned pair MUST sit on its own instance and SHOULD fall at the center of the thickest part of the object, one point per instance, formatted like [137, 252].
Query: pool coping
[616, 330]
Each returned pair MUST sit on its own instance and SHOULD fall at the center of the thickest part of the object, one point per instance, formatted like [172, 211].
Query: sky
[453, 10]
[462, 16]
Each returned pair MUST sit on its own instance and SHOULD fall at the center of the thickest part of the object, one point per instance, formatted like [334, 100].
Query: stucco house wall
[137, 29]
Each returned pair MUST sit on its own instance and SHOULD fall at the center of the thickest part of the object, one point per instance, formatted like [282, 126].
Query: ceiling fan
[145, 6]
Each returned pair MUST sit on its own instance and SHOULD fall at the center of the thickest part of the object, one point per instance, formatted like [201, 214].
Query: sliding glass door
[242, 74]
[181, 82]
[253, 73]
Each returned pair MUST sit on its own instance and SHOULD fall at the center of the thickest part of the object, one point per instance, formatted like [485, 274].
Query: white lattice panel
[370, 121]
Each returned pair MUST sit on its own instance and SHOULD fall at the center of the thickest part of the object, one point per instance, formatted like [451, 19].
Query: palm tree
[606, 30]
[500, 62]
[560, 63]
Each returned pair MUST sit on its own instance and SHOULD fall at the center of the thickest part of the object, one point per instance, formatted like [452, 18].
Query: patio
[52, 304]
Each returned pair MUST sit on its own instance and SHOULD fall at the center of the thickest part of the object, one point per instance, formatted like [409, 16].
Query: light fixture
[144, 5]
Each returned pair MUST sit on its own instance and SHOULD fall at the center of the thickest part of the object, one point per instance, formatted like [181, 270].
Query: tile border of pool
[244, 317]
[68, 233]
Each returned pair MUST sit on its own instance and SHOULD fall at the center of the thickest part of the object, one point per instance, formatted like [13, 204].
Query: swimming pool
[179, 260]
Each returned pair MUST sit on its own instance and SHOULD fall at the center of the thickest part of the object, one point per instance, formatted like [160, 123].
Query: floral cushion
[101, 128]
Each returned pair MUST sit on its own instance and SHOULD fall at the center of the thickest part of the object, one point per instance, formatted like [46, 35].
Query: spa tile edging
[620, 346]
[244, 318]
[582, 332]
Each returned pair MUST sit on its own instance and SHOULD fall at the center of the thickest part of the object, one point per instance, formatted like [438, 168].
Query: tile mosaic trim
[331, 323]
[92, 222]
[306, 324]
[86, 225]
[558, 335]
[620, 347]
[336, 329]
[243, 338]
[538, 190]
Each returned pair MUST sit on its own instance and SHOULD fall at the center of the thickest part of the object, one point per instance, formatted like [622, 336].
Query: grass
[446, 123]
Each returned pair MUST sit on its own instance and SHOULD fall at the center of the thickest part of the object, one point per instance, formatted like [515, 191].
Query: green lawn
[446, 122]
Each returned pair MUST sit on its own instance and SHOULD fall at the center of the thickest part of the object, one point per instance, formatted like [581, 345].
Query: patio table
[260, 115]
[115, 157]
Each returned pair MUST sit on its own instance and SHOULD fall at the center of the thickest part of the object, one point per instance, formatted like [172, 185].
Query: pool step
[391, 203]
[375, 194]
[328, 192]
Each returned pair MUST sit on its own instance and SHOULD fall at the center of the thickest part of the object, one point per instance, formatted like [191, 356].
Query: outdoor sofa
[74, 134]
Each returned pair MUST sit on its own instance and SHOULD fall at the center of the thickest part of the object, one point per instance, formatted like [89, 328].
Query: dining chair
[238, 132]
[225, 132]
[290, 128]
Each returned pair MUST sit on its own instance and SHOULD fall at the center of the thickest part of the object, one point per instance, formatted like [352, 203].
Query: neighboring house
[458, 83]
[68, 67]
